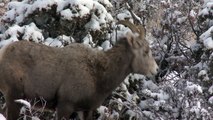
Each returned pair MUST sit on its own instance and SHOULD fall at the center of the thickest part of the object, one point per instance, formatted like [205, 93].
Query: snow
[80, 11]
[160, 96]
[193, 88]
[148, 114]
[138, 76]
[53, 42]
[67, 14]
[2, 117]
[66, 39]
[196, 109]
[42, 4]
[93, 24]
[83, 10]
[181, 20]
[14, 31]
[106, 3]
[204, 12]
[87, 40]
[106, 45]
[163, 2]
[32, 33]
[208, 43]
[8, 41]
[202, 73]
[144, 104]
[77, 8]
[211, 100]
[207, 39]
[209, 5]
[131, 114]
[35, 118]
[201, 65]
[27, 32]
[104, 112]
[192, 14]
[120, 106]
[210, 90]
[173, 75]
[149, 85]
[207, 8]
[102, 109]
[124, 15]
[158, 104]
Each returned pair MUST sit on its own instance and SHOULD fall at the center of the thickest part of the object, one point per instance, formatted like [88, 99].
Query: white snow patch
[138, 76]
[105, 2]
[67, 14]
[35, 118]
[160, 96]
[67, 39]
[53, 42]
[124, 15]
[148, 114]
[131, 114]
[202, 73]
[181, 20]
[93, 24]
[197, 109]
[102, 110]
[8, 41]
[87, 40]
[158, 104]
[2, 117]
[144, 104]
[207, 8]
[208, 43]
[211, 100]
[207, 39]
[149, 85]
[31, 32]
[192, 14]
[210, 90]
[201, 65]
[173, 76]
[193, 88]
[14, 31]
[27, 32]
[106, 45]
[68, 9]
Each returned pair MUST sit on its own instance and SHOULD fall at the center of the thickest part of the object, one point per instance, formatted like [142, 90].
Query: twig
[134, 16]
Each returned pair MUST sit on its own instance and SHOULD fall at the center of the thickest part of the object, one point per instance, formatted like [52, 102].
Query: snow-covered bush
[74, 18]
